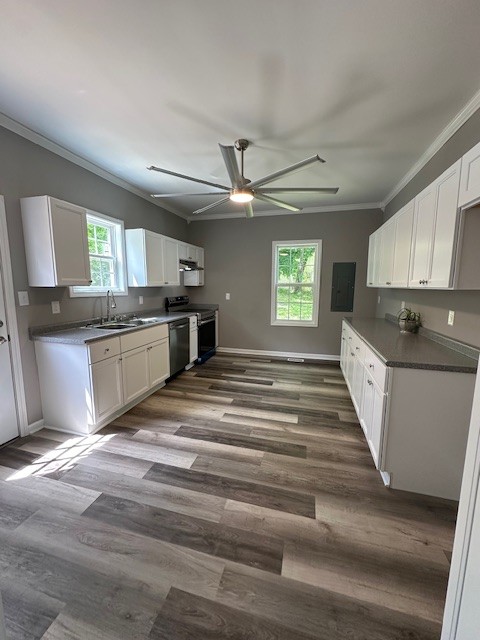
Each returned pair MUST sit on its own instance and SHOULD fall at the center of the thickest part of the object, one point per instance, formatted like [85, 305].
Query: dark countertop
[411, 351]
[77, 334]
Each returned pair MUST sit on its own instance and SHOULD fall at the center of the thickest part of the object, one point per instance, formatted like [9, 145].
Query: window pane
[95, 271]
[294, 282]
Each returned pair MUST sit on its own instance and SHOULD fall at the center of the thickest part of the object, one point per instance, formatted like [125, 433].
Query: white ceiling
[366, 84]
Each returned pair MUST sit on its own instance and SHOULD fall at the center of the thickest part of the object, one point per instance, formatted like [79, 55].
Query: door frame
[11, 317]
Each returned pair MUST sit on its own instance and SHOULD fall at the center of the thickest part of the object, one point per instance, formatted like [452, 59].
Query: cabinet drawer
[103, 349]
[358, 347]
[142, 337]
[376, 368]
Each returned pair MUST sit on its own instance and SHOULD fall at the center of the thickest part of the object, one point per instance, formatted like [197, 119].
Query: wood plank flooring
[240, 501]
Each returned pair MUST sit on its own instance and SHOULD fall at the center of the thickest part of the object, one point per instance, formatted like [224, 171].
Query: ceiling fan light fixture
[241, 195]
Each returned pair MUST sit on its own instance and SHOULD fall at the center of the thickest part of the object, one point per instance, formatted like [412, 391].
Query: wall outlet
[140, 299]
[402, 304]
[55, 306]
[378, 301]
[23, 300]
[451, 317]
[227, 296]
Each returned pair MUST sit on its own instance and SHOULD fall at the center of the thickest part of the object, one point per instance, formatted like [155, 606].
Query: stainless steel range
[206, 320]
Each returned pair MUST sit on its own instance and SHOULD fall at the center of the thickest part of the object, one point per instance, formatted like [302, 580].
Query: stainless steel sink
[114, 325]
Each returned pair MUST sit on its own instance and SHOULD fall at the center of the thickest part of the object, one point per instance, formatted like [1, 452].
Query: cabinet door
[403, 244]
[158, 362]
[366, 413]
[70, 246]
[193, 344]
[422, 237]
[386, 254]
[441, 270]
[200, 257]
[373, 259]
[106, 381]
[154, 259]
[375, 429]
[170, 262]
[135, 373]
[357, 383]
[343, 354]
[470, 177]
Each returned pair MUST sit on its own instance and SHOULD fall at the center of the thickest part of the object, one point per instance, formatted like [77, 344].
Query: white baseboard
[284, 355]
[35, 426]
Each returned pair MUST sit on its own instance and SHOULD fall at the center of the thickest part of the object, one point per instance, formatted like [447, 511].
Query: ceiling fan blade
[180, 175]
[211, 206]
[300, 190]
[231, 163]
[284, 172]
[277, 203]
[248, 210]
[176, 195]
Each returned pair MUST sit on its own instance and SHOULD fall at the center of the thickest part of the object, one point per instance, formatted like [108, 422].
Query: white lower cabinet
[158, 359]
[135, 374]
[415, 421]
[107, 388]
[372, 416]
[193, 339]
[83, 386]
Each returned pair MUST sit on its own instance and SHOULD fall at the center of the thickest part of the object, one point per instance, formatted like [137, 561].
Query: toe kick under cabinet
[85, 386]
[415, 420]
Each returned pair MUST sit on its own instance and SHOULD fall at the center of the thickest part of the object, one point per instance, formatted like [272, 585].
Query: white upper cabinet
[444, 237]
[387, 247]
[422, 237]
[374, 245]
[470, 177]
[195, 278]
[170, 261]
[403, 243]
[435, 232]
[144, 258]
[56, 245]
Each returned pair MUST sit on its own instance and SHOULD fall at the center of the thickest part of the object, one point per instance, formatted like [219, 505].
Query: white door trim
[9, 296]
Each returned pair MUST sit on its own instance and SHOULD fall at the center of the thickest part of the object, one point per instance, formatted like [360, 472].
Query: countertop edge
[52, 336]
[398, 364]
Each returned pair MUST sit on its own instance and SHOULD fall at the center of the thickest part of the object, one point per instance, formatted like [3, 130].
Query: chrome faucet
[111, 304]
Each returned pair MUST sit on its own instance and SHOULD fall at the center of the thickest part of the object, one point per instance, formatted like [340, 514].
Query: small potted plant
[408, 320]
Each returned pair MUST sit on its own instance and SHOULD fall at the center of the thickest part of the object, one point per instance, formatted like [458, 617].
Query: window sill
[95, 294]
[292, 323]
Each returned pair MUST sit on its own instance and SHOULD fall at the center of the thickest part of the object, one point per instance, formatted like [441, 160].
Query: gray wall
[238, 254]
[434, 305]
[27, 169]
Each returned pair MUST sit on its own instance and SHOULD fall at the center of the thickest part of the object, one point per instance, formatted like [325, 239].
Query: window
[296, 282]
[107, 263]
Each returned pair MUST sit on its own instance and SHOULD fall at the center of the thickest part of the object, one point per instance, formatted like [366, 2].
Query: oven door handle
[202, 322]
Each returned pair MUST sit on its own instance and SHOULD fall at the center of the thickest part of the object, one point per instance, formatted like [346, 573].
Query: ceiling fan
[243, 190]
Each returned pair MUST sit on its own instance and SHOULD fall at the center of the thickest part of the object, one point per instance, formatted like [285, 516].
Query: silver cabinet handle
[357, 348]
[2, 340]
[370, 382]
[388, 283]
[371, 366]
[107, 350]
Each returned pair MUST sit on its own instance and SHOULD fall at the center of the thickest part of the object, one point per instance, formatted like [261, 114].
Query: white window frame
[316, 282]
[120, 257]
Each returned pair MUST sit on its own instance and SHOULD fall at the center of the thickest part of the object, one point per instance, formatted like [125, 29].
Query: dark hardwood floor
[238, 502]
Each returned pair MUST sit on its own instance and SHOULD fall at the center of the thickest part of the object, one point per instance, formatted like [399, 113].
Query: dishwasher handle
[173, 327]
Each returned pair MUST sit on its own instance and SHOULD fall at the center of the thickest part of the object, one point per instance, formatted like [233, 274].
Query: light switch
[140, 299]
[451, 317]
[23, 300]
[55, 306]
[227, 296]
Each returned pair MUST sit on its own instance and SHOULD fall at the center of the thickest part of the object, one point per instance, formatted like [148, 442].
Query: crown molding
[452, 127]
[263, 214]
[46, 143]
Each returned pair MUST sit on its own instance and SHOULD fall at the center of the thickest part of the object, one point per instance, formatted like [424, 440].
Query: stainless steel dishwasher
[179, 334]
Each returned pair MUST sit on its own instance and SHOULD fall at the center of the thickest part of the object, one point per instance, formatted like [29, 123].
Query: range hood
[189, 265]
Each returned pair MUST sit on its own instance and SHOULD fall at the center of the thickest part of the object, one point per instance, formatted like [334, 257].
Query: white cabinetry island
[413, 398]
